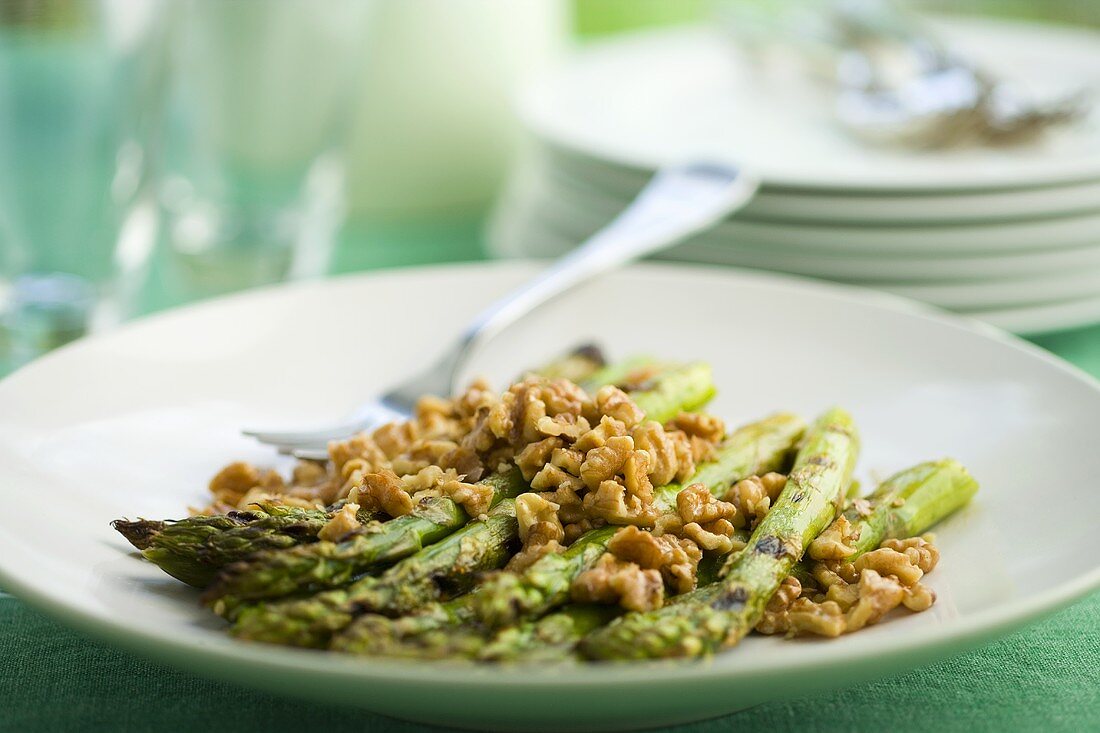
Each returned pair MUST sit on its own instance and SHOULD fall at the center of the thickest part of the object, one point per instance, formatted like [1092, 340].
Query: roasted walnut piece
[776, 619]
[835, 542]
[669, 452]
[753, 497]
[861, 592]
[704, 432]
[384, 491]
[613, 581]
[343, 523]
[677, 559]
[231, 483]
[920, 551]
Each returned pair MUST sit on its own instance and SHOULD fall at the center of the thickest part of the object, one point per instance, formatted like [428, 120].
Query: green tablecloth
[1045, 678]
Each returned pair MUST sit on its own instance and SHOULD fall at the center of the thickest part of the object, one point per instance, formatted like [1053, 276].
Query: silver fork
[679, 201]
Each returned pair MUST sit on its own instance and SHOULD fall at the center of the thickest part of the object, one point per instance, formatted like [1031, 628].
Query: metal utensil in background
[678, 202]
[896, 81]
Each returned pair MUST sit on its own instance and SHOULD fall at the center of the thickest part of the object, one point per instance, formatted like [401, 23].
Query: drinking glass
[254, 181]
[80, 84]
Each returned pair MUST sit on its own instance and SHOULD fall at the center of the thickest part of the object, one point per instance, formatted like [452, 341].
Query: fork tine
[310, 454]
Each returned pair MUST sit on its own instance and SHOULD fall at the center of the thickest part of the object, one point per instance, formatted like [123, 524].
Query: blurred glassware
[80, 97]
[254, 188]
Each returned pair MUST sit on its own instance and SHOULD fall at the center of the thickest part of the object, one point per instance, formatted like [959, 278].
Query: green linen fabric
[1046, 677]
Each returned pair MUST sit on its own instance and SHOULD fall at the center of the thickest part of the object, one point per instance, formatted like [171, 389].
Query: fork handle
[679, 201]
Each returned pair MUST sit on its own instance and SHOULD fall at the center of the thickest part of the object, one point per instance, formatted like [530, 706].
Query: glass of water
[254, 181]
[80, 97]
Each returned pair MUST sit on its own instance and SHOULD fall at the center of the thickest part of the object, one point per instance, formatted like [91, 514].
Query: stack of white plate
[1009, 235]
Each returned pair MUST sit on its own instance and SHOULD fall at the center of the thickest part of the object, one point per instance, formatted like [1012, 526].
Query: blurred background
[157, 152]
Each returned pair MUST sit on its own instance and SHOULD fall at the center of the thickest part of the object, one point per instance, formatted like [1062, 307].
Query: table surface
[1046, 677]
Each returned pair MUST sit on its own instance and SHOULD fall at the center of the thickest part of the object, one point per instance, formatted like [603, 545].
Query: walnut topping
[343, 523]
[612, 580]
[669, 452]
[535, 455]
[863, 591]
[822, 619]
[607, 461]
[775, 619]
[834, 542]
[474, 498]
[677, 559]
[538, 516]
[754, 496]
[696, 504]
[234, 481]
[701, 518]
[920, 551]
[384, 491]
[614, 403]
[612, 503]
[885, 561]
[878, 596]
[704, 432]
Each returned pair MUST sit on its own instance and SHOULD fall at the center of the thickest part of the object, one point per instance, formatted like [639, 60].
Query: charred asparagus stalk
[329, 565]
[719, 615]
[448, 567]
[194, 549]
[753, 449]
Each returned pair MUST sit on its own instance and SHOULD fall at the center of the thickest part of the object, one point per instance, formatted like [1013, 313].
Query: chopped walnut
[357, 446]
[231, 483]
[614, 581]
[607, 461]
[614, 403]
[598, 436]
[885, 561]
[343, 523]
[669, 452]
[835, 542]
[612, 503]
[538, 516]
[704, 433]
[716, 536]
[530, 554]
[823, 619]
[775, 619]
[753, 496]
[394, 438]
[474, 498]
[308, 473]
[696, 504]
[920, 551]
[878, 596]
[565, 426]
[535, 455]
[677, 559]
[384, 491]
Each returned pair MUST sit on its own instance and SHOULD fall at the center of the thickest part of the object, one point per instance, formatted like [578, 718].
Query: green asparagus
[719, 615]
[754, 449]
[331, 564]
[195, 549]
[449, 567]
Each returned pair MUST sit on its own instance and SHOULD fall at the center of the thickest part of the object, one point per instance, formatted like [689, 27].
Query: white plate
[615, 186]
[654, 98]
[589, 211]
[133, 423]
[1046, 318]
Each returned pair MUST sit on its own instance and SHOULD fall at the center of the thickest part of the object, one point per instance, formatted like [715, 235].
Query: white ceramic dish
[688, 93]
[133, 423]
[588, 212]
[615, 186]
